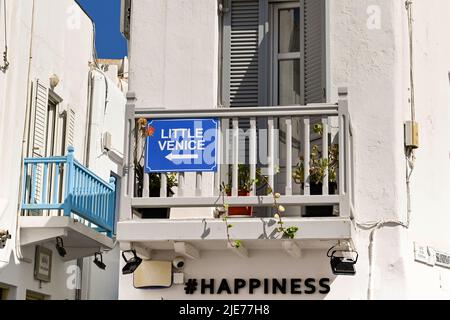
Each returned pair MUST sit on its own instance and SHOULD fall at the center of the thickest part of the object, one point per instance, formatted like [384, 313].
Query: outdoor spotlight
[343, 262]
[60, 247]
[132, 263]
[99, 263]
[4, 235]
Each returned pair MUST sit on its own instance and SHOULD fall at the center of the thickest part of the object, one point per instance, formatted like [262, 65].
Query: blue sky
[106, 14]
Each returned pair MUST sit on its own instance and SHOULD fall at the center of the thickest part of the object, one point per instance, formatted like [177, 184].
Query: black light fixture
[60, 247]
[99, 263]
[343, 261]
[132, 263]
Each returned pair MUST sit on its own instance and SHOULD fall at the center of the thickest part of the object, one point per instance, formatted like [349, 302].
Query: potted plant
[318, 166]
[154, 184]
[154, 191]
[245, 185]
[224, 212]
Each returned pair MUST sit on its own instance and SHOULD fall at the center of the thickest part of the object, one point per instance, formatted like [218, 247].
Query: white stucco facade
[174, 65]
[47, 38]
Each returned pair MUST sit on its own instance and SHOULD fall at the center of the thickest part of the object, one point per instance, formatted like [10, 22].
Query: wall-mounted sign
[267, 286]
[181, 145]
[43, 264]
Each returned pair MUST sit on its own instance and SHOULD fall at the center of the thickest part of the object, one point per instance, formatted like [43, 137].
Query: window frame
[275, 56]
[265, 53]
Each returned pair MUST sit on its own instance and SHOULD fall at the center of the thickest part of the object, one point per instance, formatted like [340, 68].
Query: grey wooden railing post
[111, 219]
[344, 206]
[128, 176]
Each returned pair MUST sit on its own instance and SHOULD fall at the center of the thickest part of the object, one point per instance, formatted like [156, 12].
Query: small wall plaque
[43, 264]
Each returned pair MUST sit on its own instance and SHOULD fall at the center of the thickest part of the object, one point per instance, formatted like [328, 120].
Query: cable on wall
[5, 64]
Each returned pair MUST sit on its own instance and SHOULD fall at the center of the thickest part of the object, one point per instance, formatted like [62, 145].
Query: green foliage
[155, 180]
[318, 166]
[245, 182]
[290, 232]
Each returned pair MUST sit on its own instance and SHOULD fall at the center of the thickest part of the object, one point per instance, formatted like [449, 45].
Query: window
[32, 295]
[274, 53]
[4, 292]
[285, 40]
[7, 292]
[51, 130]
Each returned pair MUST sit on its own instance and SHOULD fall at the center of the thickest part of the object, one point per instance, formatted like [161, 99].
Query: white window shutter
[314, 51]
[70, 127]
[39, 130]
[39, 119]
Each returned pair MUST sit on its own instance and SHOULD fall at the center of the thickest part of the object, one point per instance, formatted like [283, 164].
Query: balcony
[62, 198]
[271, 141]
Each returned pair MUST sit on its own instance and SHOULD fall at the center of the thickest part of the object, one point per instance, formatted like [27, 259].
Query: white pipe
[25, 139]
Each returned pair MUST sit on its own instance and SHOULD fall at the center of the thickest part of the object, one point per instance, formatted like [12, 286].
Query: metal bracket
[4, 236]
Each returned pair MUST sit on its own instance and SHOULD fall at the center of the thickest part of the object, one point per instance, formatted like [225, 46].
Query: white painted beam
[186, 250]
[143, 252]
[292, 248]
[241, 251]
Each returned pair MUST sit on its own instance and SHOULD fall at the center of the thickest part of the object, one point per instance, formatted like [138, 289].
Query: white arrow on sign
[172, 156]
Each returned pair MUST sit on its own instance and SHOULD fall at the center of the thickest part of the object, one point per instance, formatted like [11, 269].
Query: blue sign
[181, 145]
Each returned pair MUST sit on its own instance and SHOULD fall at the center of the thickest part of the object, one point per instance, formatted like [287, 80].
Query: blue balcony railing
[62, 184]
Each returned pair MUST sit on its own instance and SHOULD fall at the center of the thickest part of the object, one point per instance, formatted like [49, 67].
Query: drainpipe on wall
[87, 142]
[25, 138]
[5, 65]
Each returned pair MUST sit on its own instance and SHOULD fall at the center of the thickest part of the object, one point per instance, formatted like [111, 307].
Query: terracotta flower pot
[240, 211]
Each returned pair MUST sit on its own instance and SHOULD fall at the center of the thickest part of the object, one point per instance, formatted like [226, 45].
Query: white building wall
[370, 60]
[431, 177]
[368, 53]
[60, 41]
[108, 110]
[180, 72]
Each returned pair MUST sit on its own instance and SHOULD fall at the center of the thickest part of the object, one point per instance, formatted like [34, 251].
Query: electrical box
[412, 134]
[107, 141]
[153, 274]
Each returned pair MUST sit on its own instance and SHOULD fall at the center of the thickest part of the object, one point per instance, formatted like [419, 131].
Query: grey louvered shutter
[39, 130]
[241, 61]
[241, 43]
[314, 51]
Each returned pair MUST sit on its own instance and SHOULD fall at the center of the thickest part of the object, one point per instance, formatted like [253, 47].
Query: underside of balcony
[254, 233]
[79, 240]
